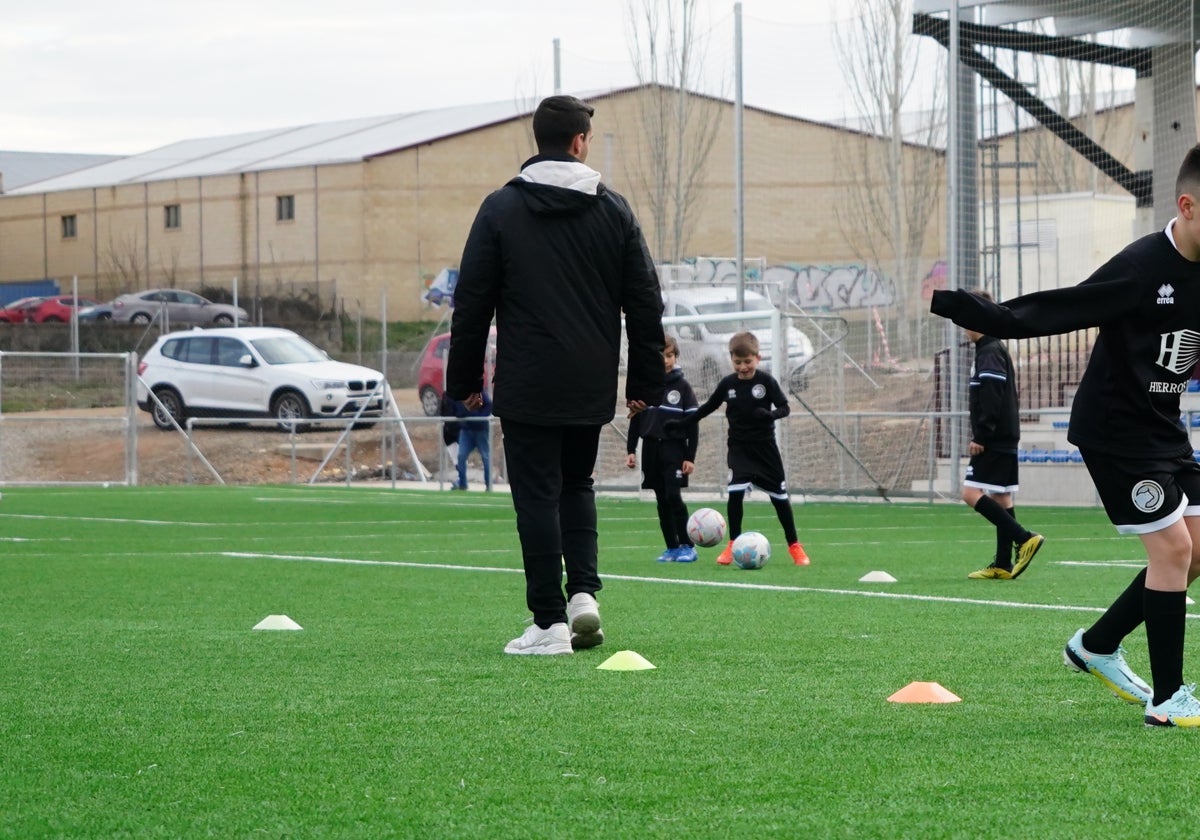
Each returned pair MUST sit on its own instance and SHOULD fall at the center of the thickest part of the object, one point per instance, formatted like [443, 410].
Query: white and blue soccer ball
[706, 527]
[751, 550]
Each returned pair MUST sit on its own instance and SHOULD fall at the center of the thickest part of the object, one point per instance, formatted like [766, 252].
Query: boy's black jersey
[743, 398]
[678, 403]
[992, 398]
[1146, 303]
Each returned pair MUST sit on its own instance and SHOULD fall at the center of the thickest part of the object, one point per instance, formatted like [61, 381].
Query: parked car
[18, 311]
[252, 372]
[58, 308]
[175, 305]
[704, 347]
[431, 375]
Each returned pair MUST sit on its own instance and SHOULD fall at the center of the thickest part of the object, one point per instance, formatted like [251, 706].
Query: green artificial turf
[136, 700]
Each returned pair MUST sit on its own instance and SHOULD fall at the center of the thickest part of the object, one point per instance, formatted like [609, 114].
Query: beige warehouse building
[376, 207]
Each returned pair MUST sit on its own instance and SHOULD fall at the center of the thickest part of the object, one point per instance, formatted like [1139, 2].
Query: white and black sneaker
[583, 620]
[555, 639]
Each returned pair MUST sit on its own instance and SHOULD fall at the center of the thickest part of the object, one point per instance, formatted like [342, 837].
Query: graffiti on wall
[827, 287]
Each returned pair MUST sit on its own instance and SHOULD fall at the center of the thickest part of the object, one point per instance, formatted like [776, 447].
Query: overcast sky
[126, 76]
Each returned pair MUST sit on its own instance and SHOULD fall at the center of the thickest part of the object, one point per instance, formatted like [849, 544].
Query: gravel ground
[89, 446]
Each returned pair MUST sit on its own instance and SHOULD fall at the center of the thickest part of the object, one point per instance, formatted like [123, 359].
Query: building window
[171, 217]
[285, 208]
[68, 226]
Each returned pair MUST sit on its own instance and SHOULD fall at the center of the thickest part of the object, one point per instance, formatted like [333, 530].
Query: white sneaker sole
[539, 650]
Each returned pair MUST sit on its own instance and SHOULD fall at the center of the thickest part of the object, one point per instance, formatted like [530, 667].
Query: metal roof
[343, 141]
[20, 168]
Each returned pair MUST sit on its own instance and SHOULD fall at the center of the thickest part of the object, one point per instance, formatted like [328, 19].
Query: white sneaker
[555, 639]
[583, 619]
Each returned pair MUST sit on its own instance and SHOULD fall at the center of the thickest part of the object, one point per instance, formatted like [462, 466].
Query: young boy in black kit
[1125, 421]
[753, 402]
[991, 479]
[668, 457]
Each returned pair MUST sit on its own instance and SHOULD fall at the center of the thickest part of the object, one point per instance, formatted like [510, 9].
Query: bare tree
[123, 259]
[680, 126]
[895, 174]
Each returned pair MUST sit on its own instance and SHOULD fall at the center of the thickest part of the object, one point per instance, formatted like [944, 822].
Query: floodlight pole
[739, 202]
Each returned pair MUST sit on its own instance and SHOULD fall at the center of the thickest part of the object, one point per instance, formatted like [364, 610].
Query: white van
[704, 348]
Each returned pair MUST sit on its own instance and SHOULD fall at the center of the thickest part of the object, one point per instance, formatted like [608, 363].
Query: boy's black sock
[1004, 550]
[783, 509]
[989, 509]
[1119, 620]
[1165, 613]
[733, 511]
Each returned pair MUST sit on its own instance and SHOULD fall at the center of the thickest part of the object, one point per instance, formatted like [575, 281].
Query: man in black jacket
[991, 478]
[556, 257]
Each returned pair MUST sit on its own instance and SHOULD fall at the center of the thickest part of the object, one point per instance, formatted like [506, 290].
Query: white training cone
[1187, 599]
[277, 622]
[876, 577]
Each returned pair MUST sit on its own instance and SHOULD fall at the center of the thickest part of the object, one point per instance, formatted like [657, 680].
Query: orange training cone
[924, 692]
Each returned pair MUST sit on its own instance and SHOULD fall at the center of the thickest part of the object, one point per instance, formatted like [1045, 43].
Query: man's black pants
[550, 476]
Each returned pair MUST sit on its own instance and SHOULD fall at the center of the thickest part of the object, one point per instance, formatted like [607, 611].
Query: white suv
[704, 347]
[252, 372]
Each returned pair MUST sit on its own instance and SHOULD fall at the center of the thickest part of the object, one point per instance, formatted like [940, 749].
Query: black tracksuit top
[741, 398]
[1146, 303]
[992, 398]
[678, 402]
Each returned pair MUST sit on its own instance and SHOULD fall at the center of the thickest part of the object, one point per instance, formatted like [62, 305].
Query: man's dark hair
[1189, 174]
[558, 120]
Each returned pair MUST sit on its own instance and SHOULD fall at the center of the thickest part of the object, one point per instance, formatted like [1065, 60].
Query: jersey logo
[1166, 293]
[732, 394]
[1178, 351]
[758, 391]
[1147, 496]
[673, 397]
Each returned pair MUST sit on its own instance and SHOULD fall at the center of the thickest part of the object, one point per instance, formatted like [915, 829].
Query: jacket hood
[557, 185]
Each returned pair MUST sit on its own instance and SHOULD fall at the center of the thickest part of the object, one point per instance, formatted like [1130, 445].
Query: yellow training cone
[924, 692]
[625, 660]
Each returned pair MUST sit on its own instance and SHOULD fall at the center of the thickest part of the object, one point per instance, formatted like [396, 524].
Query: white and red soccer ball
[706, 527]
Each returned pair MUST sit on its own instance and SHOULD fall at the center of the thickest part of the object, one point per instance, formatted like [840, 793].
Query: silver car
[169, 307]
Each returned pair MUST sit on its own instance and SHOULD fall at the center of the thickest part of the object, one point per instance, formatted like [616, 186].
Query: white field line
[899, 596]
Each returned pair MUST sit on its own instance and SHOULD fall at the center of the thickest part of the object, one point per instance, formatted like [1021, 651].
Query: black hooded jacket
[556, 257]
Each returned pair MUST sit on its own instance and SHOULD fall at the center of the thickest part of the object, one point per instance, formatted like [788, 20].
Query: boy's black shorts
[993, 472]
[662, 464]
[1143, 495]
[756, 463]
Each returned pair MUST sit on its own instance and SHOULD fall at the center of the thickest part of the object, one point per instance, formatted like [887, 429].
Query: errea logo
[1166, 293]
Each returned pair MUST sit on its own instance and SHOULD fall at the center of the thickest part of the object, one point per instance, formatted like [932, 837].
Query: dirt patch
[88, 445]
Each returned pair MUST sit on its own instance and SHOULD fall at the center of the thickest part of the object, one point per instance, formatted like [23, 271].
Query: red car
[431, 376]
[58, 308]
[20, 310]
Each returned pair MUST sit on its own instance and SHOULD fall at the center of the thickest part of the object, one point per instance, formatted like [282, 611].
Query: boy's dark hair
[743, 344]
[1188, 180]
[670, 344]
[982, 293]
[558, 120]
